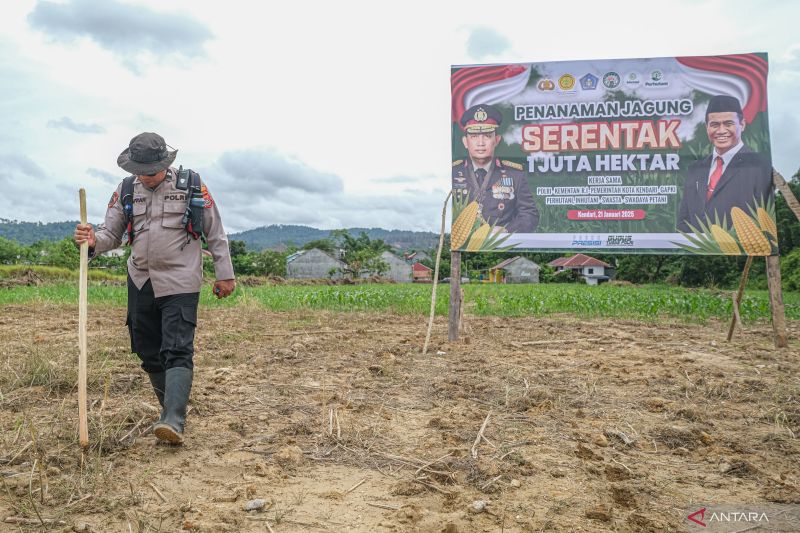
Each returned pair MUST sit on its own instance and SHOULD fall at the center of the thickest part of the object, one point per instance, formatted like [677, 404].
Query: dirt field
[338, 423]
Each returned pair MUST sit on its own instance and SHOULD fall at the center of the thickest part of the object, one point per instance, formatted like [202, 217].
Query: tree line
[362, 254]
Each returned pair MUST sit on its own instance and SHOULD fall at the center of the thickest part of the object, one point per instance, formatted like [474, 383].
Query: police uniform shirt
[160, 251]
[503, 194]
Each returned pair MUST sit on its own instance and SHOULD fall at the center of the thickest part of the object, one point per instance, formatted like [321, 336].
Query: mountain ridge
[273, 236]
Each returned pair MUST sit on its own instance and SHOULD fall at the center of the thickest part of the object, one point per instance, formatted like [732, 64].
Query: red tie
[714, 179]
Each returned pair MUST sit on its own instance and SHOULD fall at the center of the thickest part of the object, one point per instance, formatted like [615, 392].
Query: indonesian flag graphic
[743, 76]
[486, 85]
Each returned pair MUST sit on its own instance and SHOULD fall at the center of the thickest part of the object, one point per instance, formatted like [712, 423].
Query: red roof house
[592, 269]
[421, 274]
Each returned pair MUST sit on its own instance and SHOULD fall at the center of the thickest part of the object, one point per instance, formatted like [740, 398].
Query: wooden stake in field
[83, 429]
[454, 316]
[436, 276]
[774, 268]
[737, 299]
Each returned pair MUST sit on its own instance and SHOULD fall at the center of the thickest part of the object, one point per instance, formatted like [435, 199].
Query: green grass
[52, 274]
[642, 302]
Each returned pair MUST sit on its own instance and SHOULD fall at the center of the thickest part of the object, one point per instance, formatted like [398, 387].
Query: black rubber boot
[176, 396]
[158, 380]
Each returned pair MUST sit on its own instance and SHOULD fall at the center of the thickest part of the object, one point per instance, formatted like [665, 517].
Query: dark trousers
[162, 329]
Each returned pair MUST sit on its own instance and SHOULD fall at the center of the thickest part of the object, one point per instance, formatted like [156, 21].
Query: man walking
[165, 212]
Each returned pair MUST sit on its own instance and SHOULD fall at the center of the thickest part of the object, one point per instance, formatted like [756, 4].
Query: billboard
[657, 155]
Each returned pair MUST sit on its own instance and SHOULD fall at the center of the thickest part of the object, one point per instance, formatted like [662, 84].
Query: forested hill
[28, 233]
[278, 235]
[274, 236]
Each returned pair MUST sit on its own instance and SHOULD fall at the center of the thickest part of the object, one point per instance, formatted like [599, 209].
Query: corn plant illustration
[470, 231]
[754, 234]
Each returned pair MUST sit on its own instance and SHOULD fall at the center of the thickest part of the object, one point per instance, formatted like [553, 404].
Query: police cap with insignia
[146, 154]
[723, 104]
[481, 118]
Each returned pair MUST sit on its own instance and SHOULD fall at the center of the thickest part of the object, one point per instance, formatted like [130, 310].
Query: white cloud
[127, 30]
[483, 42]
[69, 124]
[362, 104]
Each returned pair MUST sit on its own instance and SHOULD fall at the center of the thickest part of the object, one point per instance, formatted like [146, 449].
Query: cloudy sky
[329, 114]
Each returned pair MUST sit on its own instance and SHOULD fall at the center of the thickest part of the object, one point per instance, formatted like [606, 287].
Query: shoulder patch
[208, 202]
[458, 162]
[511, 164]
[113, 200]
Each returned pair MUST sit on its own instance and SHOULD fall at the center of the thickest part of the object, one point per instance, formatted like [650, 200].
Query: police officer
[165, 271]
[500, 187]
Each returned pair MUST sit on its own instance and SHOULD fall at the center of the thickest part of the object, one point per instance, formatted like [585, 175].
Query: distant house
[313, 264]
[116, 252]
[399, 270]
[416, 257]
[421, 274]
[515, 269]
[593, 270]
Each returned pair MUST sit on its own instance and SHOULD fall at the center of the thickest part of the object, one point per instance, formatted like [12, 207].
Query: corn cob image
[478, 237]
[750, 235]
[726, 243]
[462, 227]
[460, 201]
[767, 223]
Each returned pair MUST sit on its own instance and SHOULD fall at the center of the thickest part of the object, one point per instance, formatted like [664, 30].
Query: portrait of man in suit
[731, 176]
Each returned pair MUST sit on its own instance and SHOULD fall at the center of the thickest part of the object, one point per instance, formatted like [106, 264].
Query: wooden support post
[774, 267]
[454, 316]
[738, 299]
[786, 192]
[776, 301]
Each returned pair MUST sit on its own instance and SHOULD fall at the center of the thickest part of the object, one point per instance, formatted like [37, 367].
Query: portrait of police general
[731, 176]
[499, 186]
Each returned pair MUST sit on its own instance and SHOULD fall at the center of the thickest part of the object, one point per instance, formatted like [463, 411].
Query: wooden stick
[431, 485]
[426, 465]
[70, 504]
[83, 429]
[490, 482]
[354, 487]
[160, 494]
[454, 315]
[776, 301]
[480, 435]
[787, 193]
[135, 427]
[738, 298]
[382, 506]
[554, 341]
[11, 461]
[32, 521]
[436, 276]
[774, 268]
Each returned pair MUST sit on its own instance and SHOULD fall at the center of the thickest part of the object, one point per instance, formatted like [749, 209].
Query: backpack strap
[192, 221]
[127, 206]
[194, 207]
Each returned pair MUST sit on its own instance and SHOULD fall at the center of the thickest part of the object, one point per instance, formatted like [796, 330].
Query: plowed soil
[338, 423]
